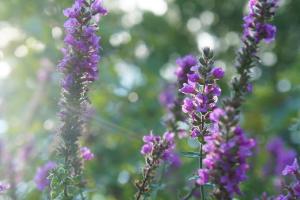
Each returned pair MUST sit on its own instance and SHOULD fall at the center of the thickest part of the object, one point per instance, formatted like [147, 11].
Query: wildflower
[41, 177]
[156, 149]
[86, 153]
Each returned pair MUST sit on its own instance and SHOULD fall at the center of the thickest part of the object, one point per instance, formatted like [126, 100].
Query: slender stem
[190, 194]
[200, 166]
[142, 188]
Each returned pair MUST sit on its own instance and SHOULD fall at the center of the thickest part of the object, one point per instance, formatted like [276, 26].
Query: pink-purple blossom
[86, 153]
[41, 177]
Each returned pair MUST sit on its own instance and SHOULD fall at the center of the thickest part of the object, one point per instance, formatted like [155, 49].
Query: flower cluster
[79, 65]
[201, 92]
[41, 177]
[292, 190]
[86, 153]
[225, 158]
[81, 55]
[80, 68]
[201, 96]
[256, 29]
[159, 147]
[171, 99]
[156, 149]
[280, 156]
[167, 97]
[184, 67]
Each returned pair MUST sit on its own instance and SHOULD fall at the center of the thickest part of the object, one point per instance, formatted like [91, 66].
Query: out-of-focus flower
[86, 153]
[280, 156]
[4, 187]
[41, 177]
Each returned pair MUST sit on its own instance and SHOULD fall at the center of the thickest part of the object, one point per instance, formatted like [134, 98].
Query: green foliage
[63, 185]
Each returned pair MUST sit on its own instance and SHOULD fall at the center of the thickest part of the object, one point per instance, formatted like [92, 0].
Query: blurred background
[141, 40]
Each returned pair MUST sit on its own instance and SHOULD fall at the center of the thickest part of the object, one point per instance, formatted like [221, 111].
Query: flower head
[291, 169]
[4, 187]
[86, 153]
[41, 177]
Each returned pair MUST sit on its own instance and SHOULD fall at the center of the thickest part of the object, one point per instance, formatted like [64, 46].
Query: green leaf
[191, 154]
[193, 178]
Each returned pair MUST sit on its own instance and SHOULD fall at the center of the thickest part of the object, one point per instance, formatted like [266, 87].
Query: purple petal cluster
[86, 153]
[254, 27]
[280, 156]
[202, 92]
[184, 67]
[156, 147]
[167, 97]
[226, 157]
[293, 189]
[80, 68]
[41, 177]
[155, 150]
[81, 54]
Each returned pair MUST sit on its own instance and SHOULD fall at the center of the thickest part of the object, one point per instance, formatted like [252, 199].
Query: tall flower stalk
[172, 99]
[156, 150]
[201, 95]
[228, 147]
[256, 29]
[80, 69]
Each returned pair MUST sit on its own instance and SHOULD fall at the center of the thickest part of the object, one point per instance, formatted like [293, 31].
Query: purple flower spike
[156, 149]
[79, 65]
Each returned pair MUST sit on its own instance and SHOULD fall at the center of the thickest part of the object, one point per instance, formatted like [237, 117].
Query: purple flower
[203, 176]
[86, 153]
[167, 97]
[81, 55]
[162, 146]
[296, 189]
[255, 25]
[188, 105]
[187, 89]
[79, 66]
[41, 177]
[218, 72]
[280, 156]
[291, 169]
[184, 67]
[216, 114]
[249, 88]
[267, 32]
[225, 159]
[292, 189]
[98, 8]
[169, 137]
[75, 10]
[147, 148]
[4, 187]
[193, 77]
[195, 132]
